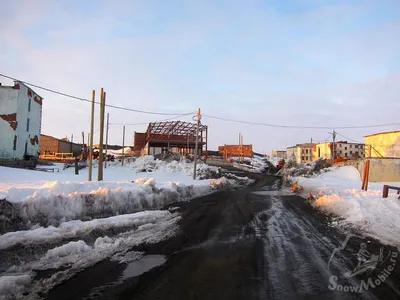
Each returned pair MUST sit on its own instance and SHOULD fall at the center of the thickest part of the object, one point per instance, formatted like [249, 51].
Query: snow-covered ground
[52, 198]
[339, 193]
[64, 223]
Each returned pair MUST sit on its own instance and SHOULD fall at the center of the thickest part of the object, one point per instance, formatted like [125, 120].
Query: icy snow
[68, 249]
[14, 285]
[76, 228]
[339, 193]
[78, 255]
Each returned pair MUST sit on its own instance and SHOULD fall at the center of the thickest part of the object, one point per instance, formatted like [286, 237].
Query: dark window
[29, 104]
[302, 158]
[345, 148]
[340, 151]
[351, 152]
[27, 125]
[355, 146]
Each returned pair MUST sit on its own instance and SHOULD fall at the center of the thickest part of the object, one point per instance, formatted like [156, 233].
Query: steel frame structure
[173, 134]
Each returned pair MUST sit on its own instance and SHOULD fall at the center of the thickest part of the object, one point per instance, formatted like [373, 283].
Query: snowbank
[339, 193]
[71, 257]
[78, 228]
[35, 200]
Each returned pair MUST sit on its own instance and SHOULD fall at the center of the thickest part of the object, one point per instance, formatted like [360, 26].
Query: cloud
[329, 63]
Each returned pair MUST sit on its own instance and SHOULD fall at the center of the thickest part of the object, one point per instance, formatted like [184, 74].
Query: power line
[146, 123]
[347, 138]
[298, 127]
[90, 101]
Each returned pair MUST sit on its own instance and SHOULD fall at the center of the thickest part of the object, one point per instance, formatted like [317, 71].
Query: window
[345, 148]
[27, 125]
[29, 104]
[355, 146]
[340, 151]
[351, 146]
[306, 150]
[351, 152]
[302, 158]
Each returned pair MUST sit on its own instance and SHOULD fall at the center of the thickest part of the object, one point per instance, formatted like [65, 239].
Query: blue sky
[306, 63]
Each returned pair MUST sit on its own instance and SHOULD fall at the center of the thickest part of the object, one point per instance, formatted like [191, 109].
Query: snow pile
[33, 201]
[71, 257]
[14, 285]
[61, 202]
[149, 164]
[293, 169]
[339, 193]
[78, 228]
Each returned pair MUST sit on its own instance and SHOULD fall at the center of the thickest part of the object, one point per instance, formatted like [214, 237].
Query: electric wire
[90, 101]
[298, 127]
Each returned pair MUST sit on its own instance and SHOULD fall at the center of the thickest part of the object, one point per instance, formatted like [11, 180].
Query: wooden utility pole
[197, 143]
[123, 145]
[101, 154]
[71, 141]
[333, 145]
[83, 146]
[91, 137]
[108, 121]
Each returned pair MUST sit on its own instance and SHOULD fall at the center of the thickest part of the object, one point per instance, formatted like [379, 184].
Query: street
[252, 243]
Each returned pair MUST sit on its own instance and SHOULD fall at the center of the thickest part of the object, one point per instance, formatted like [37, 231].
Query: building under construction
[171, 136]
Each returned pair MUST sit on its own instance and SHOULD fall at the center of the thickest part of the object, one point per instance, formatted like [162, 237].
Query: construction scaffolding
[172, 136]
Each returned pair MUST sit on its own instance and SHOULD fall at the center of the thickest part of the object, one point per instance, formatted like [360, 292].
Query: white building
[20, 121]
[301, 153]
[343, 149]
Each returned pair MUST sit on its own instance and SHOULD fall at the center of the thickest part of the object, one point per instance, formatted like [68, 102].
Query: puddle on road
[146, 263]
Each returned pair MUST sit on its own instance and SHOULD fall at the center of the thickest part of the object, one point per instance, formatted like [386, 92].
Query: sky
[302, 63]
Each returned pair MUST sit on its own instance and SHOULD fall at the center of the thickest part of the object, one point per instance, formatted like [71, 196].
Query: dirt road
[253, 243]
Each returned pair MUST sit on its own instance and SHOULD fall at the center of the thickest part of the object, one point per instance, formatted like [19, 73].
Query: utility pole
[72, 140]
[83, 145]
[101, 154]
[91, 137]
[333, 144]
[197, 143]
[108, 121]
[123, 145]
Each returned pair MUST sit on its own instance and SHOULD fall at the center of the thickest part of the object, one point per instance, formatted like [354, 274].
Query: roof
[385, 132]
[174, 128]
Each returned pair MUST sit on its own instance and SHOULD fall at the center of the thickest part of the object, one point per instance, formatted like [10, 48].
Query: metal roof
[174, 128]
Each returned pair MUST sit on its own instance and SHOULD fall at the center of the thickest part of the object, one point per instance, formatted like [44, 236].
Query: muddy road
[253, 243]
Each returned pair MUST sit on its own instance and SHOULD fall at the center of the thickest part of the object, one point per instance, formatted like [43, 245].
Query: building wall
[28, 135]
[293, 153]
[380, 169]
[386, 144]
[68, 147]
[8, 119]
[279, 154]
[306, 154]
[322, 150]
[49, 144]
[343, 150]
[18, 104]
